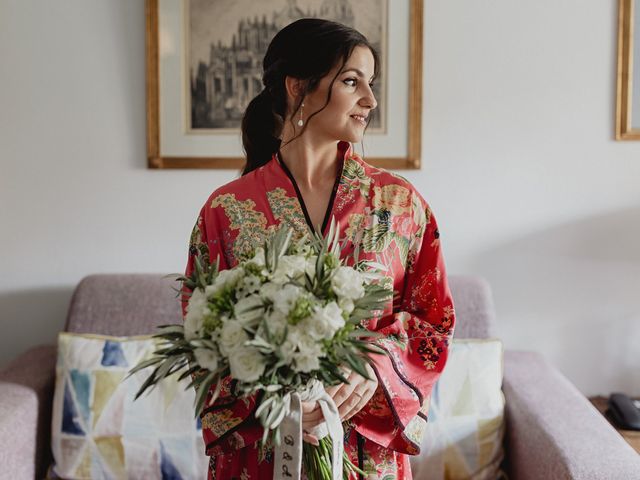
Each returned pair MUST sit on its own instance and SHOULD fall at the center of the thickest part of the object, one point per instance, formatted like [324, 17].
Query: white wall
[520, 166]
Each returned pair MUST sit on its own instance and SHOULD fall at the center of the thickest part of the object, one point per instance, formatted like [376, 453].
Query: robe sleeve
[229, 423]
[416, 337]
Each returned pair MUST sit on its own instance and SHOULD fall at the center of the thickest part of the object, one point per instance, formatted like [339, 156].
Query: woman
[301, 170]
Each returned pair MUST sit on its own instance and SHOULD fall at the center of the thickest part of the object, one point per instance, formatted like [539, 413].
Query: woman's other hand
[311, 417]
[351, 397]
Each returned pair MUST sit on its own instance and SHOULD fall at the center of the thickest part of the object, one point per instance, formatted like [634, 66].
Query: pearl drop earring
[300, 121]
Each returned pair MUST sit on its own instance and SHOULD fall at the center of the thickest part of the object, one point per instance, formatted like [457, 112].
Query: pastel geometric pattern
[464, 434]
[99, 432]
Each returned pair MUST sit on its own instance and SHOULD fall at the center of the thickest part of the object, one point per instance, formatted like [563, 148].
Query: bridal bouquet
[286, 323]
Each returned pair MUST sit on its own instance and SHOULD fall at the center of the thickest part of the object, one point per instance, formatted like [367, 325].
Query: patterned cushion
[463, 437]
[98, 431]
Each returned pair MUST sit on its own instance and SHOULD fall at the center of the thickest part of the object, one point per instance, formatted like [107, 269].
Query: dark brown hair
[306, 49]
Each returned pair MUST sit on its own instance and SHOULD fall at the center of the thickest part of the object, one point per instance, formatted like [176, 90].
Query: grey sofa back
[134, 304]
[123, 304]
[473, 303]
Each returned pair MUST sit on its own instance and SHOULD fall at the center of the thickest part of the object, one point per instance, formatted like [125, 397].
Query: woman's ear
[295, 90]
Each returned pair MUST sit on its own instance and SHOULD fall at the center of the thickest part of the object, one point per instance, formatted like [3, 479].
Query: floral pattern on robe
[383, 216]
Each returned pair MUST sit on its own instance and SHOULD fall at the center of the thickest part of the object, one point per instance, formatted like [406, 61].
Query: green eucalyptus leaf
[188, 372]
[148, 383]
[143, 365]
[203, 389]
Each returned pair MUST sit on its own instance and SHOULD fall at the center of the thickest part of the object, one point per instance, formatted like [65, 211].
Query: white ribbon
[288, 455]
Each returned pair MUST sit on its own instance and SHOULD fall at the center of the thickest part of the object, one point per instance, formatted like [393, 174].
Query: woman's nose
[369, 99]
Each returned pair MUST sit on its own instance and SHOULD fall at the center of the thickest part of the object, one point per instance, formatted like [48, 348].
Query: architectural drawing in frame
[226, 41]
[204, 65]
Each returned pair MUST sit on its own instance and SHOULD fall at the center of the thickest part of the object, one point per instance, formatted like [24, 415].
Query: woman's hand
[311, 417]
[351, 397]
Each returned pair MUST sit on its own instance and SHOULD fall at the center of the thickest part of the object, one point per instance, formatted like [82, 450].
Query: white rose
[246, 364]
[334, 315]
[317, 325]
[206, 358]
[347, 282]
[346, 304]
[249, 310]
[306, 363]
[325, 321]
[285, 298]
[307, 344]
[232, 337]
[196, 310]
[193, 322]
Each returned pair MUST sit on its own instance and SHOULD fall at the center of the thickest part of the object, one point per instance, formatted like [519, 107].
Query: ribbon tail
[288, 455]
[336, 433]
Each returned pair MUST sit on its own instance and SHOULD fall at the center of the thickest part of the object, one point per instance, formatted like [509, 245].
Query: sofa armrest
[553, 431]
[26, 395]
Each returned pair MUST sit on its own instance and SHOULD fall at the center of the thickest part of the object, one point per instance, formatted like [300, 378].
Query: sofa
[552, 431]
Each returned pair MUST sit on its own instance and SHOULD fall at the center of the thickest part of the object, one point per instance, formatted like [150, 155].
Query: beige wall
[520, 167]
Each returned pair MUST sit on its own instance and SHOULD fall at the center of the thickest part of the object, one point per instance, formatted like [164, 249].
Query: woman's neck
[313, 166]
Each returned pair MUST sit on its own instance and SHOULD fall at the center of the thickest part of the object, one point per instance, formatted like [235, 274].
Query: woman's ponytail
[261, 128]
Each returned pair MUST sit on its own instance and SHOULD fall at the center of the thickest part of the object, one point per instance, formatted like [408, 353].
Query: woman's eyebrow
[357, 70]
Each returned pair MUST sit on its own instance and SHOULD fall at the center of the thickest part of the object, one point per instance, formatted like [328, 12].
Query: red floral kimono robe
[391, 222]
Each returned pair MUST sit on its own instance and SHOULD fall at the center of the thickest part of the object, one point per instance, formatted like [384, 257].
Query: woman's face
[345, 116]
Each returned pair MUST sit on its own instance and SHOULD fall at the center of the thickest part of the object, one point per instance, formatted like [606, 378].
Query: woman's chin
[353, 137]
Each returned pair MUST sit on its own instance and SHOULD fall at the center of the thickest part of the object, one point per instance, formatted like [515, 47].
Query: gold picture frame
[628, 91]
[157, 159]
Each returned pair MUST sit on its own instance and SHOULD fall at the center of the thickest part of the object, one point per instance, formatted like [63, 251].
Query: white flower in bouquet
[289, 267]
[269, 290]
[258, 257]
[325, 321]
[346, 304]
[197, 301]
[285, 298]
[347, 282]
[306, 362]
[250, 284]
[276, 322]
[196, 310]
[232, 337]
[309, 352]
[226, 278]
[287, 350]
[247, 364]
[335, 317]
[249, 310]
[206, 358]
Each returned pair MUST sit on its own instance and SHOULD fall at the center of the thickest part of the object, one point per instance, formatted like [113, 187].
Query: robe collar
[277, 176]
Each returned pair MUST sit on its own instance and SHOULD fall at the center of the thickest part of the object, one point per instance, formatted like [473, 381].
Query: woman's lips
[360, 119]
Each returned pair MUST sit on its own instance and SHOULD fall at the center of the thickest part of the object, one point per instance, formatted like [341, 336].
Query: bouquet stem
[316, 461]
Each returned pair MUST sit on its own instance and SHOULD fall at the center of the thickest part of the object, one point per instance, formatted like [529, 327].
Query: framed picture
[628, 97]
[204, 65]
